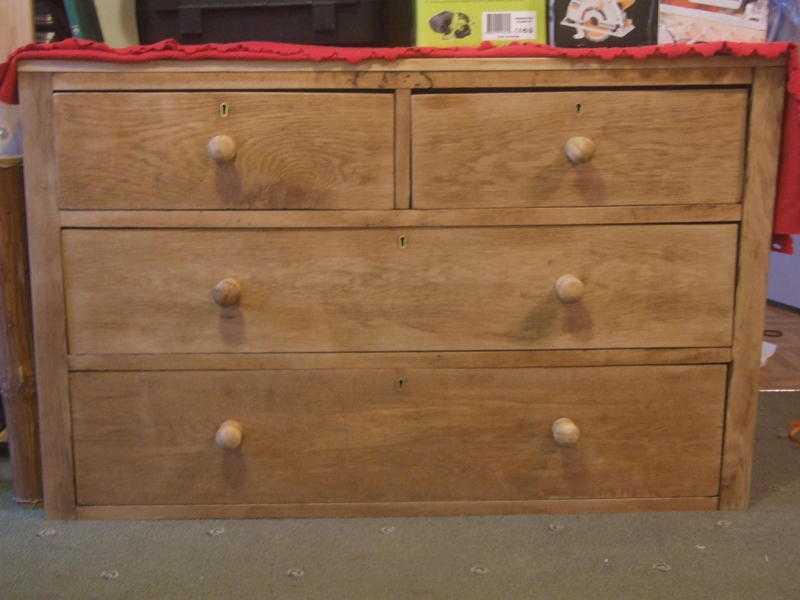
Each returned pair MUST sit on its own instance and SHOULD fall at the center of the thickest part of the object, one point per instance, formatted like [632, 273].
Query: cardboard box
[446, 23]
[600, 23]
[692, 21]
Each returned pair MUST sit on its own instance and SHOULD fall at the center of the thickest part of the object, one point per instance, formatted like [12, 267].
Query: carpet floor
[733, 555]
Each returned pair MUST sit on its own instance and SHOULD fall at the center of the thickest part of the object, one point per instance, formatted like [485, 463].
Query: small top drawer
[627, 147]
[225, 150]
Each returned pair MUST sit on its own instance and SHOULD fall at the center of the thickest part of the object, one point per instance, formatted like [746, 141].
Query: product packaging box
[597, 23]
[692, 21]
[446, 23]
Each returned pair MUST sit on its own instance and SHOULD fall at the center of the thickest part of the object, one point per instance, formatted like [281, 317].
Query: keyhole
[224, 109]
[578, 107]
[401, 383]
[402, 241]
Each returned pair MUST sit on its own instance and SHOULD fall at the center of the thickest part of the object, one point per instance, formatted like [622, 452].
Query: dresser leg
[17, 386]
[764, 130]
[47, 292]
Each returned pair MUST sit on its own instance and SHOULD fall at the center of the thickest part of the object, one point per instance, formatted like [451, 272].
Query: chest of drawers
[423, 287]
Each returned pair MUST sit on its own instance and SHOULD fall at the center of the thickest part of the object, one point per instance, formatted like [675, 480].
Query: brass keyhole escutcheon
[224, 109]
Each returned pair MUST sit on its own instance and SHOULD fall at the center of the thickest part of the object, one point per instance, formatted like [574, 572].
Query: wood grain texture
[406, 360]
[766, 112]
[149, 291]
[16, 25]
[398, 362]
[396, 435]
[404, 65]
[10, 162]
[402, 149]
[402, 80]
[17, 382]
[49, 317]
[576, 215]
[150, 150]
[394, 509]
[507, 149]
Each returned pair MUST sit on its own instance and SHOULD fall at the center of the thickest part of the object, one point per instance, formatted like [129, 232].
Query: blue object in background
[784, 21]
[10, 134]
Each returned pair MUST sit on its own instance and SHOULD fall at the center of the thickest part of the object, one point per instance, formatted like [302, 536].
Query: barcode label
[517, 25]
[498, 23]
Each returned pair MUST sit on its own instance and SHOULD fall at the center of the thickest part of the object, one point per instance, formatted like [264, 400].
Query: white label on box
[756, 21]
[516, 25]
[730, 4]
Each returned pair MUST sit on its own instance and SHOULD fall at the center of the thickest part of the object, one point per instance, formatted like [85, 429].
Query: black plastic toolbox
[331, 22]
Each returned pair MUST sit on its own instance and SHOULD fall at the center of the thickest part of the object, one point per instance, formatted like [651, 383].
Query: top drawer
[508, 149]
[269, 150]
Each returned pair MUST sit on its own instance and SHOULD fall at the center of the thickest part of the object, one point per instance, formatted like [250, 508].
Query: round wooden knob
[565, 432]
[227, 292]
[222, 148]
[229, 435]
[569, 289]
[579, 150]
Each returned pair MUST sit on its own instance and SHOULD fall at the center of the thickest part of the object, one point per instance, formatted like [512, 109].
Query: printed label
[517, 25]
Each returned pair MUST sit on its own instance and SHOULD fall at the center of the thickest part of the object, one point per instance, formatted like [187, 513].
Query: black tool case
[331, 22]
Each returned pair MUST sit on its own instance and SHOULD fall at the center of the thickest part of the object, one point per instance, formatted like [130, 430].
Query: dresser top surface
[400, 65]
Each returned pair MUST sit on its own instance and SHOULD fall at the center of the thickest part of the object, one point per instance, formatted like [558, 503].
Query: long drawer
[578, 148]
[184, 291]
[390, 435]
[224, 150]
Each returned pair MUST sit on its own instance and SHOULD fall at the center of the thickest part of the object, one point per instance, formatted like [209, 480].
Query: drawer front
[360, 436]
[508, 149]
[152, 291]
[270, 151]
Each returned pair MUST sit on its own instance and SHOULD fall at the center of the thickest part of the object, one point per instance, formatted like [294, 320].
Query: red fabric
[787, 211]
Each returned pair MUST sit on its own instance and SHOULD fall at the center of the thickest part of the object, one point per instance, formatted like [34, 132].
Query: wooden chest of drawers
[426, 287]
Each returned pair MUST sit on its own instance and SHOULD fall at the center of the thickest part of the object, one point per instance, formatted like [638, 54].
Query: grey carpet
[751, 554]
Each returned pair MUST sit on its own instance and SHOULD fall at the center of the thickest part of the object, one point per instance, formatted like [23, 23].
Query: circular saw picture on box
[586, 23]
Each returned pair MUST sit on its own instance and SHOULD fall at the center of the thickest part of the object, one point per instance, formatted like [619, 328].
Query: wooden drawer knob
[569, 289]
[222, 148]
[579, 150]
[229, 435]
[565, 432]
[227, 292]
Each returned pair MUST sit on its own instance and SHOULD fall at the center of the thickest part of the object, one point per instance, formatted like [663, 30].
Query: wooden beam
[618, 215]
[377, 80]
[407, 64]
[49, 320]
[16, 25]
[406, 360]
[402, 149]
[394, 509]
[767, 99]
[17, 383]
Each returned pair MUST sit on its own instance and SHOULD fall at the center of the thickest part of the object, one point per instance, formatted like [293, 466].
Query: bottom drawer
[396, 436]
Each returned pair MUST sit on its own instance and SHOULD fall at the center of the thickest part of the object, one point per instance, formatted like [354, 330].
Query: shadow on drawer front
[362, 436]
[334, 290]
[578, 148]
[226, 150]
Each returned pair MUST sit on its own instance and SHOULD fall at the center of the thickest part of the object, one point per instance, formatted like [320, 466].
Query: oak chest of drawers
[423, 287]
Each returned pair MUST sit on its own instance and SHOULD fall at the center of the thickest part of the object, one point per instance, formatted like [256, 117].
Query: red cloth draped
[787, 208]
